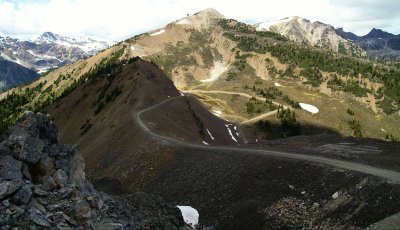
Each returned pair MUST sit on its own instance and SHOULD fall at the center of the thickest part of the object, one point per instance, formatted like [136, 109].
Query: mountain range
[377, 43]
[268, 126]
[207, 51]
[48, 51]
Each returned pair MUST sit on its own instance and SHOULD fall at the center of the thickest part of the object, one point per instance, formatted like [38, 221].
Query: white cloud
[118, 19]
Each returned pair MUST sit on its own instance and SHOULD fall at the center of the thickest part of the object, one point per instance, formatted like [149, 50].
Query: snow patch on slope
[267, 25]
[309, 108]
[43, 70]
[230, 132]
[217, 113]
[157, 33]
[190, 215]
[18, 61]
[209, 133]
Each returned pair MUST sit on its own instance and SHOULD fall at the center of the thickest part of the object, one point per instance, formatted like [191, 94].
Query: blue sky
[118, 19]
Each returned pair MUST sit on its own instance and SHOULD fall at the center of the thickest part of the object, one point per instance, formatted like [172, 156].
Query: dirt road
[389, 175]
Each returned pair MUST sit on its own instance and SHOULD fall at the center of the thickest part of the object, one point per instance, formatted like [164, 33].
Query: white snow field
[309, 108]
[190, 215]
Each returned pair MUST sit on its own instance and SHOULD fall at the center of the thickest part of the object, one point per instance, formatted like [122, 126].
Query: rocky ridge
[313, 33]
[377, 43]
[43, 185]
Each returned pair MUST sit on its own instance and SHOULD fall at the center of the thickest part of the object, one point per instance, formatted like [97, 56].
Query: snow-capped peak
[49, 36]
[88, 45]
[49, 50]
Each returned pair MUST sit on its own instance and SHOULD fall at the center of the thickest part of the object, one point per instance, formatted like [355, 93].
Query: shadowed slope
[97, 116]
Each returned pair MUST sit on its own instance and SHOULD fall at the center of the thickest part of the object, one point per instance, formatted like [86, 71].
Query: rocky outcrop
[43, 185]
[312, 33]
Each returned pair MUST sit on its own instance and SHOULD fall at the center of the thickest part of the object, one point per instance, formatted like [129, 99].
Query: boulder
[8, 187]
[61, 178]
[65, 192]
[31, 151]
[46, 166]
[46, 128]
[335, 195]
[39, 191]
[10, 168]
[25, 172]
[15, 142]
[3, 189]
[27, 114]
[36, 219]
[24, 195]
[48, 183]
[82, 211]
[77, 172]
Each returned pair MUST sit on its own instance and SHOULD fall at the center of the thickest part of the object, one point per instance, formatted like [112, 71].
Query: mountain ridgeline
[377, 43]
[48, 51]
[208, 51]
[254, 128]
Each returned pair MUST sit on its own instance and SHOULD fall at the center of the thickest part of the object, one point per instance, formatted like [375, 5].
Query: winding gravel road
[194, 91]
[249, 121]
[389, 175]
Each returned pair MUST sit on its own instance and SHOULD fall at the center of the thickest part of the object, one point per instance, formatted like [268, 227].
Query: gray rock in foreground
[43, 186]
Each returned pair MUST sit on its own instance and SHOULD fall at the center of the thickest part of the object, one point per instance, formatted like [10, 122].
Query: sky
[115, 20]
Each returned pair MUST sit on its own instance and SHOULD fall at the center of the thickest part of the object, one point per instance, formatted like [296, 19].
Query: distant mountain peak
[50, 35]
[378, 33]
[314, 33]
[201, 19]
[210, 12]
[88, 45]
